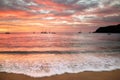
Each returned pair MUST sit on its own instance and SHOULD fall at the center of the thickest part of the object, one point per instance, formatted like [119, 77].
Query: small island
[109, 29]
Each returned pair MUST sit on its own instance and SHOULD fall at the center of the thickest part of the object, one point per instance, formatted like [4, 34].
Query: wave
[40, 65]
[62, 52]
[30, 52]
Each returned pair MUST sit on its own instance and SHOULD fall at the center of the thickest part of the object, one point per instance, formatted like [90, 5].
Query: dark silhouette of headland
[109, 29]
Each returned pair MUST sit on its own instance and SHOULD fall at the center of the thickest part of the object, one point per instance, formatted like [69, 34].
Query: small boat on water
[7, 32]
[48, 33]
[79, 32]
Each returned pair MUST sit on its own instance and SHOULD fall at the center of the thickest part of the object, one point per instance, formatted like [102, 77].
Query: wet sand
[106, 75]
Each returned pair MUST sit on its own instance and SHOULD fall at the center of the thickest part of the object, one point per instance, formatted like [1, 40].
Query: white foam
[40, 65]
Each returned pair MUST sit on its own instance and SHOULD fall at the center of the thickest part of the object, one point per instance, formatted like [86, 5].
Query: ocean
[42, 54]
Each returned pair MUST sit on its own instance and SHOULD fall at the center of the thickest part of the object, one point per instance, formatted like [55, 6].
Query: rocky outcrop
[109, 29]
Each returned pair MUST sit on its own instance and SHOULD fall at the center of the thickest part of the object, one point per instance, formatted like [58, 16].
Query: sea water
[39, 55]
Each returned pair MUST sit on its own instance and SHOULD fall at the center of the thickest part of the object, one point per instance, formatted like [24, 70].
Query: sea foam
[40, 65]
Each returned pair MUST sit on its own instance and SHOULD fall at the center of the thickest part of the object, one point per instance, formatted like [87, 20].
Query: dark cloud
[106, 20]
[107, 10]
[16, 4]
[65, 13]
[111, 19]
[78, 4]
[67, 2]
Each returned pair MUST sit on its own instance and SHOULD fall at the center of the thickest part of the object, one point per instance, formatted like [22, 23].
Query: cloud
[113, 19]
[60, 7]
[71, 12]
[16, 4]
[67, 2]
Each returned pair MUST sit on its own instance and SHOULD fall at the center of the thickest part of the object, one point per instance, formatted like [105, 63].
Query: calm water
[39, 55]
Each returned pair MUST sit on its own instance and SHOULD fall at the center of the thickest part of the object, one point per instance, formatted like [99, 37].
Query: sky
[57, 15]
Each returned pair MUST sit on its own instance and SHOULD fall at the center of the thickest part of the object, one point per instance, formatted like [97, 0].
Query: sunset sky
[57, 15]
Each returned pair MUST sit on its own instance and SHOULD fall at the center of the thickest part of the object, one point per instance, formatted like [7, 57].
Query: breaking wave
[40, 65]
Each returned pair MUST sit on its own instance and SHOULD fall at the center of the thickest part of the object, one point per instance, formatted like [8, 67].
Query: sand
[106, 75]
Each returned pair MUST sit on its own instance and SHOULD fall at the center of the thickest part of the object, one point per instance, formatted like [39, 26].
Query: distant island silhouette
[109, 29]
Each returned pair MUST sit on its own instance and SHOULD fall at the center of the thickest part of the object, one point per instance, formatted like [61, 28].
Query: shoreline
[87, 75]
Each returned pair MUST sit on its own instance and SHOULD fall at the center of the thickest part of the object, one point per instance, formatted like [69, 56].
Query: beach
[88, 75]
